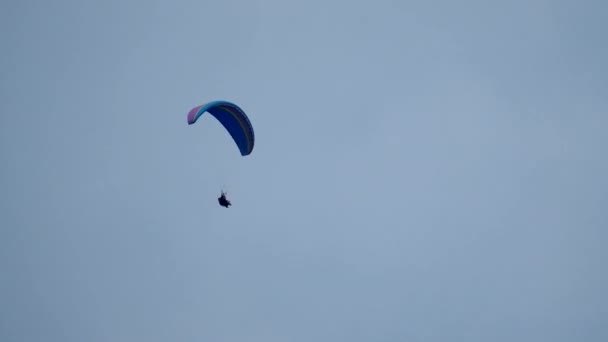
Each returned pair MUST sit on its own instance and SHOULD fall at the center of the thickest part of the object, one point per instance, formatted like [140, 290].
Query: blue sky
[423, 171]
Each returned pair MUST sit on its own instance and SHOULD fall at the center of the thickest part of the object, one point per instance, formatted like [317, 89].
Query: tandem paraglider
[235, 121]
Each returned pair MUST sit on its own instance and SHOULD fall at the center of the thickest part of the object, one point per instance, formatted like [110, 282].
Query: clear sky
[423, 171]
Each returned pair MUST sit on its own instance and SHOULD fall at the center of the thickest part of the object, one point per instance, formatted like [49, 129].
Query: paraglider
[235, 121]
[223, 201]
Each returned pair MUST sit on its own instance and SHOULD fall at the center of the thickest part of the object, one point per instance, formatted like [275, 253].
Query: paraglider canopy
[234, 120]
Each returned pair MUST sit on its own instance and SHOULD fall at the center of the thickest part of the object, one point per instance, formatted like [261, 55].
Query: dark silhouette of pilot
[223, 201]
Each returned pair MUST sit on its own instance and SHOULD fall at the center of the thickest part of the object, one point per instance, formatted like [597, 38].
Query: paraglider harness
[223, 201]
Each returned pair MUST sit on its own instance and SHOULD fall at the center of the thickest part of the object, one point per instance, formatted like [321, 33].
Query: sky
[423, 171]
